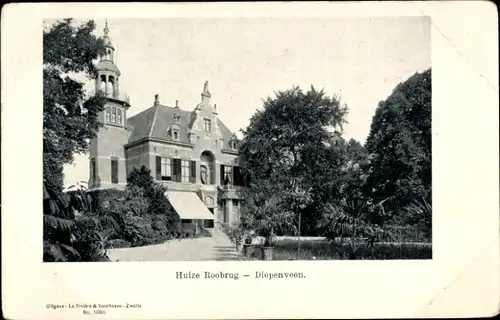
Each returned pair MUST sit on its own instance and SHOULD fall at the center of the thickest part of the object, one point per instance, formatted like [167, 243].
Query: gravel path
[218, 248]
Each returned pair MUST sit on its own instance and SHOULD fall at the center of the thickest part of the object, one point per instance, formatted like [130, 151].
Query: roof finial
[206, 93]
[106, 29]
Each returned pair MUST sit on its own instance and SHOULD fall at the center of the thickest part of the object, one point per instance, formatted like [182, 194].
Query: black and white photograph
[237, 139]
[251, 160]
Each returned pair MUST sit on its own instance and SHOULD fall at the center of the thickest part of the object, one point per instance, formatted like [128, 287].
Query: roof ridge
[153, 122]
[141, 112]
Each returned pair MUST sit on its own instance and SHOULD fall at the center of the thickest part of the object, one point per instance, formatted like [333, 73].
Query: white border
[465, 175]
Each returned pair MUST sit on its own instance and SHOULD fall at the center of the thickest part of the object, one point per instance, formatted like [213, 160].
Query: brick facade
[190, 142]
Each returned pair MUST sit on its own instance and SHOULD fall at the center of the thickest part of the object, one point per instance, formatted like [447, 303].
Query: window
[203, 174]
[113, 115]
[93, 170]
[108, 114]
[236, 203]
[208, 125]
[209, 201]
[166, 169]
[228, 175]
[176, 135]
[114, 171]
[233, 145]
[119, 116]
[185, 170]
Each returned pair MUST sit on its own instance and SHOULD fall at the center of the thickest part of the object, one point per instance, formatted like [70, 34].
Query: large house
[190, 151]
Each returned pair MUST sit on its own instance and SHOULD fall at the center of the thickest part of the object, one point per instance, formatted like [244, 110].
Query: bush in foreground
[336, 250]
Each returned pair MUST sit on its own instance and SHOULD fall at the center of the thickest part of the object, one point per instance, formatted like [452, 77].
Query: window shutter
[158, 168]
[193, 172]
[222, 174]
[240, 176]
[212, 173]
[236, 176]
[178, 169]
[114, 171]
[174, 169]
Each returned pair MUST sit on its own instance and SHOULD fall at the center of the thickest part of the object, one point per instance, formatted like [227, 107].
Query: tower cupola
[107, 73]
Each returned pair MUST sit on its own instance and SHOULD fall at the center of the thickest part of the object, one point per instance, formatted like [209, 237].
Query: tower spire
[106, 29]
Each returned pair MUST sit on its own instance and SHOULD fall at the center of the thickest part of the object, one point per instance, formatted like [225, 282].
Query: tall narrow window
[228, 175]
[185, 170]
[113, 115]
[203, 174]
[119, 116]
[208, 125]
[108, 114]
[114, 171]
[166, 169]
[93, 170]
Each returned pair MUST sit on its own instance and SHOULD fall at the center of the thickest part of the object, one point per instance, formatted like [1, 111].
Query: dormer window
[175, 135]
[207, 125]
[233, 142]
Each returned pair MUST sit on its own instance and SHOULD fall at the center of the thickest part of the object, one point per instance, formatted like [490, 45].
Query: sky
[245, 60]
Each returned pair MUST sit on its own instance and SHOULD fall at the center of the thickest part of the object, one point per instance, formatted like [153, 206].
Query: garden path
[215, 248]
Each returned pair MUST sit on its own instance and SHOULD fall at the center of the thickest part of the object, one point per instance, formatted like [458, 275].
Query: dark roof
[155, 122]
[107, 65]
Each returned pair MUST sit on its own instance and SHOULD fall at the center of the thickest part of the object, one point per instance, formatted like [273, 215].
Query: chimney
[157, 99]
[177, 104]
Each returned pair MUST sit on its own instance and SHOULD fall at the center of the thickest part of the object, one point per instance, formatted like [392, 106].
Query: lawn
[320, 249]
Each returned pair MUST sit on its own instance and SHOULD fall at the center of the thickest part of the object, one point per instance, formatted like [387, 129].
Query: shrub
[67, 234]
[337, 250]
[118, 243]
[187, 230]
[141, 179]
[100, 198]
[204, 233]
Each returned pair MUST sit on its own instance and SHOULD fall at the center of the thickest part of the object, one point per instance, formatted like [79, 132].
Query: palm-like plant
[70, 230]
[351, 220]
[418, 213]
[264, 212]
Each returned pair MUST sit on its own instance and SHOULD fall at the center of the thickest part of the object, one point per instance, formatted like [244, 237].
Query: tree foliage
[354, 171]
[294, 146]
[399, 145]
[155, 193]
[69, 115]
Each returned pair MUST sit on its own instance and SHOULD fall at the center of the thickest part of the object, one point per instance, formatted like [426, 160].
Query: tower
[107, 158]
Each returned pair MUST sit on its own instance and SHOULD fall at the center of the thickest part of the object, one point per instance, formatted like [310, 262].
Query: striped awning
[188, 205]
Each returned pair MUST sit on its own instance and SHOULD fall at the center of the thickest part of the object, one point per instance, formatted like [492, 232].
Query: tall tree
[293, 145]
[355, 167]
[399, 144]
[69, 115]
